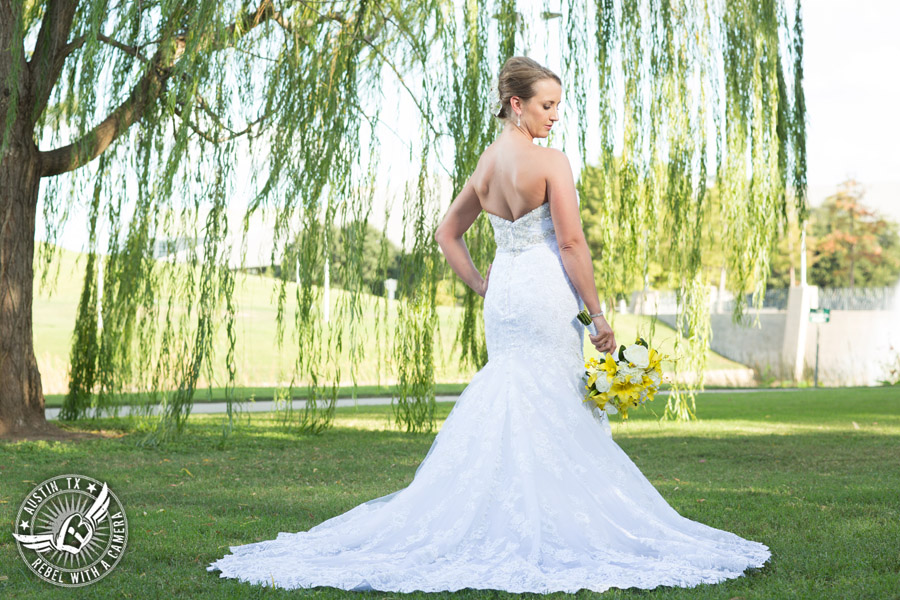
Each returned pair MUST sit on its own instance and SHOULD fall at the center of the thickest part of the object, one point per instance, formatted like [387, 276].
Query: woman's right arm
[573, 247]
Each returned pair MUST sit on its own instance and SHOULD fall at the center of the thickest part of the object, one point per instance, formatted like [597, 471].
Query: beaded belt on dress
[528, 231]
[522, 242]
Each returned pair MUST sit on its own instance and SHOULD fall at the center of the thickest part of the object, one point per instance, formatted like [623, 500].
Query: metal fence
[859, 298]
[887, 298]
[773, 299]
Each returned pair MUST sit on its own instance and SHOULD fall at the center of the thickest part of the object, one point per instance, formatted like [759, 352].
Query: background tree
[850, 244]
[658, 271]
[784, 270]
[340, 248]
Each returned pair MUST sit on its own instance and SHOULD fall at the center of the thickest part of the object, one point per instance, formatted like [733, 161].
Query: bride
[523, 488]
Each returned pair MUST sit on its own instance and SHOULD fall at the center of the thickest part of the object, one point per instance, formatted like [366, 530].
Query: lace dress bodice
[530, 304]
[533, 228]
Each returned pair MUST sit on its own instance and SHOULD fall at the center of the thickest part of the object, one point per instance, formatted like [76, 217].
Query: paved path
[269, 405]
[256, 406]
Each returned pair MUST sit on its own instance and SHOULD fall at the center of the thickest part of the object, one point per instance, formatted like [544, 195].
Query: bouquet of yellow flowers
[622, 380]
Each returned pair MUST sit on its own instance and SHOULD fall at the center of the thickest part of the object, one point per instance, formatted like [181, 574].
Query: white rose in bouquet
[631, 374]
[603, 384]
[638, 355]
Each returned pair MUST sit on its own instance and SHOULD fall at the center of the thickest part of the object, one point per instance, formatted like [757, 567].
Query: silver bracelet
[599, 314]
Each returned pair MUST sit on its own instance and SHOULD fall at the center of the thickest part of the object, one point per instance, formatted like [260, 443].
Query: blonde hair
[517, 78]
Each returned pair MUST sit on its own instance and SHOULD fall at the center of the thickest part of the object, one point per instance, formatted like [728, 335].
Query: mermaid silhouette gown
[523, 488]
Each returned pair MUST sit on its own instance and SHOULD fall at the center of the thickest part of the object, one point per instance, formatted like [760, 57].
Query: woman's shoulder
[547, 162]
[553, 154]
[545, 158]
[539, 155]
[539, 162]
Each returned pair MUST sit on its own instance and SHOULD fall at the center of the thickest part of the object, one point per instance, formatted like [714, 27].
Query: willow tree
[149, 89]
[682, 71]
[173, 94]
[705, 93]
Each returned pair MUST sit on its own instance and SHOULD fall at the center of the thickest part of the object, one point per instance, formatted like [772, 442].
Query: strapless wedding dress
[523, 488]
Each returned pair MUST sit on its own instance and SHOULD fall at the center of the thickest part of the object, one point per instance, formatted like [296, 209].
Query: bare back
[510, 179]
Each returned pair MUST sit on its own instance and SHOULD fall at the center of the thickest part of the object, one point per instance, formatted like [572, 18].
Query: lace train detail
[524, 488]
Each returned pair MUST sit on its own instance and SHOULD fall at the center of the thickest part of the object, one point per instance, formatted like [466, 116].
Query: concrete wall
[757, 346]
[855, 347]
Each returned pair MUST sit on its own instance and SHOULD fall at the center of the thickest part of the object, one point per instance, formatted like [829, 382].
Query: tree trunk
[21, 395]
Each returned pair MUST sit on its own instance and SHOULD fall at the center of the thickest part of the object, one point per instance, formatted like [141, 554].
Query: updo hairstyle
[517, 78]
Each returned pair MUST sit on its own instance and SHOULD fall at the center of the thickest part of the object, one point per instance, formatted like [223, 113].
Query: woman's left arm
[463, 211]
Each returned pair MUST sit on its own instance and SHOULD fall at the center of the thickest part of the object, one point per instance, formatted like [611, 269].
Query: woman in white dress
[523, 488]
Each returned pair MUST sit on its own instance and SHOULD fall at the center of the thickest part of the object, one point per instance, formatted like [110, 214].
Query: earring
[518, 120]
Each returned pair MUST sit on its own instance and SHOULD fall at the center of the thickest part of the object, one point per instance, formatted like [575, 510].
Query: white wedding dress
[523, 488]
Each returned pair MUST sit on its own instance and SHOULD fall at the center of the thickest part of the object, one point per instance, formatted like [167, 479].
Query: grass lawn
[812, 474]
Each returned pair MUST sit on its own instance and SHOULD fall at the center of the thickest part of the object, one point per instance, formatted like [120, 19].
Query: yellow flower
[627, 392]
[599, 399]
[609, 365]
[655, 358]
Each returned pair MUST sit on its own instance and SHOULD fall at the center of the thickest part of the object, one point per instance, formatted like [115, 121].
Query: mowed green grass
[261, 364]
[813, 474]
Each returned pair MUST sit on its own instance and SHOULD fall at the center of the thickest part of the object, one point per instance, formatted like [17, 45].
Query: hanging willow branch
[195, 87]
[686, 66]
